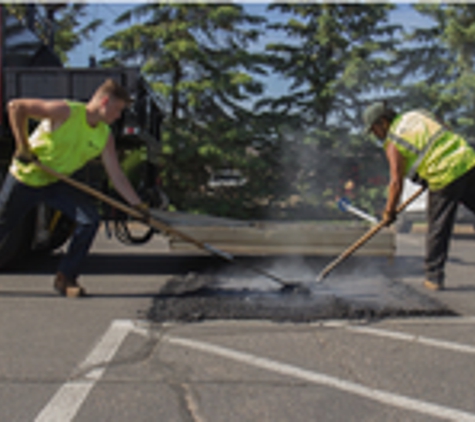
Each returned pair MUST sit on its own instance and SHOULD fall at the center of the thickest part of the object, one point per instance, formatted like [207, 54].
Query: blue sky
[79, 57]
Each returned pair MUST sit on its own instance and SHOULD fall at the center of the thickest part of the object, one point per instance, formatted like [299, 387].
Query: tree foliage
[333, 55]
[65, 20]
[198, 60]
[332, 59]
[302, 148]
[438, 64]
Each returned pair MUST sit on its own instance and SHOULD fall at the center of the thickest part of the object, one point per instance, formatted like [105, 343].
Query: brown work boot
[433, 285]
[68, 287]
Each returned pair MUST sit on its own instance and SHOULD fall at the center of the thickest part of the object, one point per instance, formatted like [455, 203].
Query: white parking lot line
[442, 320]
[412, 338]
[384, 397]
[65, 404]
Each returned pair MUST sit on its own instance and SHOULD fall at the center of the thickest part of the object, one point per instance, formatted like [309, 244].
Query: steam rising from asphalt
[302, 166]
[302, 171]
[292, 271]
[360, 278]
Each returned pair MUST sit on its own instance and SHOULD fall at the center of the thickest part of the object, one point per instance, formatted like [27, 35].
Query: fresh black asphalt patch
[359, 293]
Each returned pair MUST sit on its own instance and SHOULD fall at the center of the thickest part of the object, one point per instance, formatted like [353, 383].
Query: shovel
[345, 204]
[363, 239]
[153, 222]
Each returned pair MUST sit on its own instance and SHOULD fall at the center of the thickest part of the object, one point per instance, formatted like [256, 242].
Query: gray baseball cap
[372, 113]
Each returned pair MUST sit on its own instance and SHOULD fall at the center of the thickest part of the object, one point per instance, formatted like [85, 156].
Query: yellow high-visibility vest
[436, 154]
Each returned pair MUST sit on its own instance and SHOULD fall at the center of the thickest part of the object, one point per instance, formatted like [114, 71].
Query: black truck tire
[15, 246]
[62, 231]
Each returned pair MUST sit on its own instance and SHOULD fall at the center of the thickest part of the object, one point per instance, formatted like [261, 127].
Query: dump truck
[30, 68]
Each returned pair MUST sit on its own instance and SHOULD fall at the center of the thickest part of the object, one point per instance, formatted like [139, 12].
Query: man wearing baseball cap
[420, 147]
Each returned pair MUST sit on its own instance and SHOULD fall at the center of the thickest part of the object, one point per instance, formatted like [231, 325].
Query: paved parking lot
[100, 359]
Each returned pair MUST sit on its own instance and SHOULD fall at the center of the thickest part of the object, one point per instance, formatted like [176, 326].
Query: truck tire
[62, 232]
[62, 228]
[17, 244]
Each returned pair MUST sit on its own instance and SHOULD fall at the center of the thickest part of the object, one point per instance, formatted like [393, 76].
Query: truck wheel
[58, 228]
[61, 233]
[17, 244]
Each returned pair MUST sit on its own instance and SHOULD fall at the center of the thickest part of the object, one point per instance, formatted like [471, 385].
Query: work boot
[68, 287]
[433, 285]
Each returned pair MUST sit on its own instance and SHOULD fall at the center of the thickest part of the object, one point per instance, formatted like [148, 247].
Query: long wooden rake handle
[150, 220]
[363, 239]
[153, 221]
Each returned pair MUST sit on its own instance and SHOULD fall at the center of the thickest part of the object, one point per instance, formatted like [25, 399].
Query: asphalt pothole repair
[361, 293]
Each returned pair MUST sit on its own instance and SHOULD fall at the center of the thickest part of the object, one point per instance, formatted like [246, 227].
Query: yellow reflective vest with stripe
[65, 149]
[436, 154]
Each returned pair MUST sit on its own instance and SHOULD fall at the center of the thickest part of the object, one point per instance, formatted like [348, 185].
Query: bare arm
[115, 173]
[21, 110]
[396, 177]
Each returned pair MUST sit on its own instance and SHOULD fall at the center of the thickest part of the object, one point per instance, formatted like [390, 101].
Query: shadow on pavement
[463, 236]
[30, 294]
[146, 264]
[113, 264]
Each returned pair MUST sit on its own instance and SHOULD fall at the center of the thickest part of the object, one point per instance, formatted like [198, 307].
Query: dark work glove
[25, 156]
[389, 217]
[419, 180]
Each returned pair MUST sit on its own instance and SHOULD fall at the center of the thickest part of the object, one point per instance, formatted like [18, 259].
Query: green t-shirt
[65, 149]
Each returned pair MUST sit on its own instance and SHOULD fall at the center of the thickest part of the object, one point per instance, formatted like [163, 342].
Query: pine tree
[62, 21]
[333, 59]
[336, 57]
[198, 59]
[438, 68]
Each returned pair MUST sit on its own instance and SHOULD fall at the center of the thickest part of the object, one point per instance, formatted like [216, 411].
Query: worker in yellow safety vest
[421, 148]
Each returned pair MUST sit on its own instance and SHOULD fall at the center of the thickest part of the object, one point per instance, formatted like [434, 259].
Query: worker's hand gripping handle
[362, 240]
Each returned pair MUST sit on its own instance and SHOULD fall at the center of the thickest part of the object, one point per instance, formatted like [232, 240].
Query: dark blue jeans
[16, 199]
[441, 217]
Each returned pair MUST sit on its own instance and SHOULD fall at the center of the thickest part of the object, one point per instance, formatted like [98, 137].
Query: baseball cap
[372, 113]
